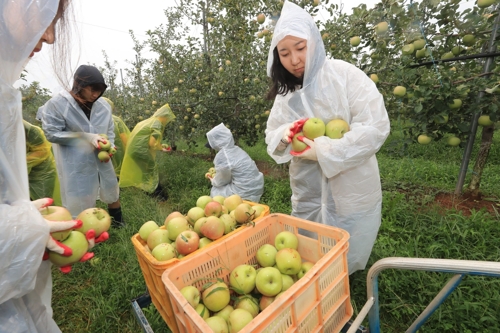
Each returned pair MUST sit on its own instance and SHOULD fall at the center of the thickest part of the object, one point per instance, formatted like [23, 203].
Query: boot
[159, 193]
[116, 217]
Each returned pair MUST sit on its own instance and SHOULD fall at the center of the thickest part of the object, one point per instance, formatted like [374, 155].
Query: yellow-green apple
[213, 228]
[424, 139]
[288, 261]
[187, 242]
[103, 156]
[485, 3]
[247, 302]
[259, 209]
[224, 313]
[419, 44]
[232, 201]
[194, 214]
[286, 239]
[229, 223]
[157, 237]
[202, 311]
[336, 128]
[203, 200]
[265, 301]
[213, 208]
[453, 141]
[238, 319]
[164, 252]
[315, 3]
[104, 146]
[304, 268]
[382, 27]
[146, 229]
[419, 54]
[457, 103]
[218, 198]
[447, 55]
[198, 224]
[57, 213]
[204, 241]
[456, 50]
[485, 120]
[244, 213]
[261, 18]
[355, 41]
[171, 216]
[191, 294]
[216, 296]
[286, 282]
[242, 279]
[313, 128]
[298, 145]
[112, 150]
[374, 78]
[177, 225]
[77, 242]
[399, 91]
[217, 324]
[94, 218]
[408, 49]
[269, 281]
[266, 255]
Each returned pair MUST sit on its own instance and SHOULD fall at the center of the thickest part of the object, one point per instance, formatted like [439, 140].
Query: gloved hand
[94, 139]
[294, 128]
[309, 153]
[52, 244]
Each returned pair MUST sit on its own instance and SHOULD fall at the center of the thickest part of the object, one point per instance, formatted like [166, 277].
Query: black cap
[208, 145]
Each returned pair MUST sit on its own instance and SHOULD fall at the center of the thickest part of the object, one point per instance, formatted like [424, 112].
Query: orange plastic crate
[153, 269]
[319, 302]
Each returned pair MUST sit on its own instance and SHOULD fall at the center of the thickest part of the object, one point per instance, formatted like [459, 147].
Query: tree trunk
[482, 157]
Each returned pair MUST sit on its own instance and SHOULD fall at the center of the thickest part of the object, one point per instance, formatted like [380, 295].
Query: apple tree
[34, 96]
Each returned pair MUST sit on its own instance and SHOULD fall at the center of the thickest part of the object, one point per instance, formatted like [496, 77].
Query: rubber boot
[116, 217]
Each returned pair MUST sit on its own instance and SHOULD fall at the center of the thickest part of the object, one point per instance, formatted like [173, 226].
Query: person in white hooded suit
[334, 181]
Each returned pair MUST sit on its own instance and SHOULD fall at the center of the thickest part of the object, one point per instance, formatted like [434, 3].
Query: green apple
[265, 301]
[355, 41]
[112, 150]
[218, 198]
[419, 44]
[286, 282]
[382, 27]
[315, 3]
[419, 54]
[485, 120]
[177, 225]
[216, 296]
[238, 319]
[217, 324]
[297, 145]
[164, 252]
[424, 139]
[194, 214]
[286, 239]
[157, 237]
[57, 213]
[457, 103]
[198, 224]
[259, 209]
[192, 295]
[105, 146]
[336, 128]
[224, 313]
[232, 201]
[247, 302]
[447, 55]
[77, 242]
[202, 311]
[244, 213]
[374, 78]
[269, 281]
[469, 40]
[229, 223]
[399, 91]
[103, 156]
[288, 261]
[313, 128]
[456, 50]
[242, 279]
[408, 49]
[266, 255]
[94, 218]
[261, 18]
[204, 241]
[453, 141]
[147, 228]
[203, 200]
[485, 3]
[171, 216]
[304, 268]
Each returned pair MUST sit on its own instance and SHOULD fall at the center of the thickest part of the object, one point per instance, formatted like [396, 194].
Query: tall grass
[95, 296]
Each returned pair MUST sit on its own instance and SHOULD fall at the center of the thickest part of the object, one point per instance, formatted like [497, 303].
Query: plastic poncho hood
[220, 137]
[25, 284]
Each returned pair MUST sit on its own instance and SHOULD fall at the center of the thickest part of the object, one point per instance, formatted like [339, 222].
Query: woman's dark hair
[282, 81]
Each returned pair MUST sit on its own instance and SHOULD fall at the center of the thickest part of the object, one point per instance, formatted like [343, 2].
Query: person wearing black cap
[73, 122]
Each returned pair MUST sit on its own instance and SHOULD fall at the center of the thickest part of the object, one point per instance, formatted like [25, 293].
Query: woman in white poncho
[335, 181]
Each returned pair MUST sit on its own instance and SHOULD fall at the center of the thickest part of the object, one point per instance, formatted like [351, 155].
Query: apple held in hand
[216, 296]
[336, 128]
[192, 295]
[286, 239]
[94, 218]
[242, 279]
[288, 261]
[78, 244]
[269, 281]
[187, 242]
[298, 145]
[103, 156]
[56, 213]
[266, 255]
[313, 128]
[105, 146]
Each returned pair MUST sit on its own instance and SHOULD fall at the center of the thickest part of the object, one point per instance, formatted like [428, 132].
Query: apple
[171, 216]
[419, 44]
[469, 40]
[194, 214]
[447, 55]
[104, 146]
[269, 281]
[218, 198]
[287, 281]
[213, 228]
[259, 209]
[192, 295]
[298, 145]
[261, 18]
[203, 200]
[400, 91]
[77, 242]
[313, 128]
[453, 141]
[56, 213]
[177, 225]
[485, 3]
[315, 3]
[249, 303]
[229, 223]
[202, 311]
[484, 120]
[242, 279]
[265, 301]
[224, 313]
[424, 139]
[103, 156]
[204, 241]
[232, 201]
[457, 103]
[164, 252]
[216, 296]
[286, 239]
[187, 242]
[336, 128]
[112, 150]
[419, 54]
[157, 237]
[213, 208]
[94, 218]
[244, 213]
[198, 224]
[355, 41]
[147, 228]
[374, 78]
[408, 49]
[381, 28]
[456, 50]
[217, 324]
[238, 319]
[304, 268]
[288, 261]
[266, 255]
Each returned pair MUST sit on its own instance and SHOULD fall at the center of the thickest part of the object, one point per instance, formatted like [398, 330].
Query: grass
[95, 296]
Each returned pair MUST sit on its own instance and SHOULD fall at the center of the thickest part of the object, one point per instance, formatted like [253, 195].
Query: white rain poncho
[25, 281]
[235, 171]
[342, 188]
[82, 176]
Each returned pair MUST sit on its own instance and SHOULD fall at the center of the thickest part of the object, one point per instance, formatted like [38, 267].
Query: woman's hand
[309, 153]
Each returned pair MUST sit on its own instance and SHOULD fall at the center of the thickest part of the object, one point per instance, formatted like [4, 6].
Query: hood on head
[87, 75]
[220, 137]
